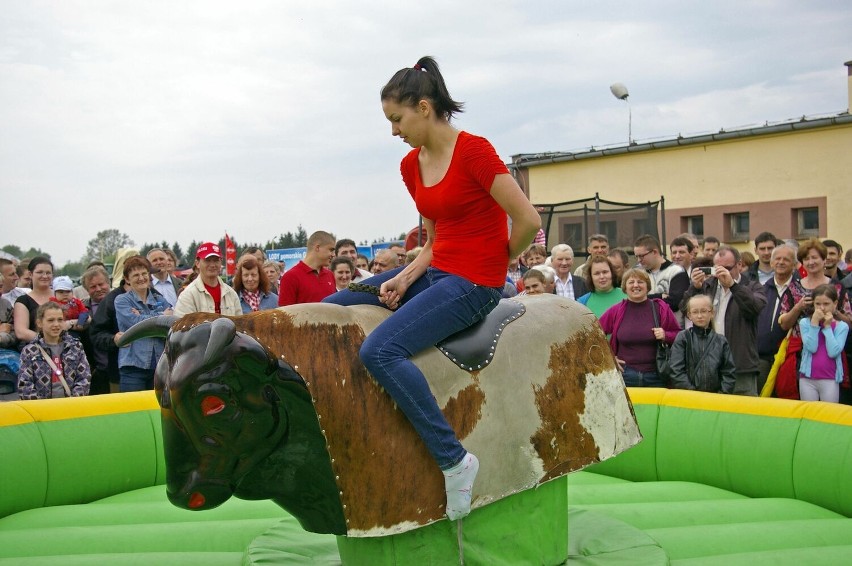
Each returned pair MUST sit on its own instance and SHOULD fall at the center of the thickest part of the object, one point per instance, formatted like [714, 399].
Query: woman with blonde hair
[273, 273]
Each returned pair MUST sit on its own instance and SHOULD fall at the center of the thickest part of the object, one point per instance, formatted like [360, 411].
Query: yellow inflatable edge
[22, 412]
[831, 413]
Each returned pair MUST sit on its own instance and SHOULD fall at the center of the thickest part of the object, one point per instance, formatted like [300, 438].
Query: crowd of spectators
[723, 311]
[54, 334]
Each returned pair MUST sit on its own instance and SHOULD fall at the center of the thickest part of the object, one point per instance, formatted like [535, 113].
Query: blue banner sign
[291, 256]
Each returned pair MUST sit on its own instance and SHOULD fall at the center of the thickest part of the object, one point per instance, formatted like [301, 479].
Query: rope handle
[362, 288]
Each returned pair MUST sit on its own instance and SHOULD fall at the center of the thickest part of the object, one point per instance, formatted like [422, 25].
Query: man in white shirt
[10, 279]
[161, 280]
[562, 260]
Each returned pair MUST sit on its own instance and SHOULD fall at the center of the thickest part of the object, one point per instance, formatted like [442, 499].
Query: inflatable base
[530, 527]
[717, 480]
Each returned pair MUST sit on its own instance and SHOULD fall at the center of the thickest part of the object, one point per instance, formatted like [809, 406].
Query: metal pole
[629, 123]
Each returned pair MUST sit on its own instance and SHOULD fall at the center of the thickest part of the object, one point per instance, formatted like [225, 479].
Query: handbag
[777, 361]
[664, 370]
[787, 380]
[56, 372]
[10, 363]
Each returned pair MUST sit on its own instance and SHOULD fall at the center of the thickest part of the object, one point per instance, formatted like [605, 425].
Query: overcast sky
[178, 120]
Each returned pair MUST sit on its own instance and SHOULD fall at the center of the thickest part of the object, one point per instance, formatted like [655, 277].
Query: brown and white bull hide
[552, 401]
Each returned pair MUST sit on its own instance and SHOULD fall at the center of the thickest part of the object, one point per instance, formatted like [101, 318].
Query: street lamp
[619, 91]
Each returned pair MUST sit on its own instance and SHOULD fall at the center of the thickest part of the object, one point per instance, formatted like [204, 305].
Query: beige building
[793, 179]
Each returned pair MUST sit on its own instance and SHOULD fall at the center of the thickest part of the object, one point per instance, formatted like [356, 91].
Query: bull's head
[236, 421]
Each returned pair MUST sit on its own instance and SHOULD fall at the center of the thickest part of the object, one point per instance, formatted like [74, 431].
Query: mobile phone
[706, 270]
[83, 319]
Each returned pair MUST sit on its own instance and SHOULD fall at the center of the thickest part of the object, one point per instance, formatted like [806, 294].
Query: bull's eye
[211, 405]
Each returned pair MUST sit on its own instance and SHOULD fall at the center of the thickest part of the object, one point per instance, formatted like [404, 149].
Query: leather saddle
[473, 348]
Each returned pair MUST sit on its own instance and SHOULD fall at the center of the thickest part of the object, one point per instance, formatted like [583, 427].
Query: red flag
[230, 256]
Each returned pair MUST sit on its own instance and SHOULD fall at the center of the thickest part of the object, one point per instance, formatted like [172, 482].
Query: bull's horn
[222, 333]
[155, 327]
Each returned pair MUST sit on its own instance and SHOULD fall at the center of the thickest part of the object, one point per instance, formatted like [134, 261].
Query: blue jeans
[636, 378]
[436, 306]
[135, 379]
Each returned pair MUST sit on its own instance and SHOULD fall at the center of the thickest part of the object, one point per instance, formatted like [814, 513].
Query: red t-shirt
[216, 293]
[71, 309]
[471, 229]
[301, 284]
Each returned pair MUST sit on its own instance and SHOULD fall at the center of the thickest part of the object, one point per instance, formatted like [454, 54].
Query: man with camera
[738, 302]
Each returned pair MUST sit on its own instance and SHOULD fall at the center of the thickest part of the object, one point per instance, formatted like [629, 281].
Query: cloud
[177, 121]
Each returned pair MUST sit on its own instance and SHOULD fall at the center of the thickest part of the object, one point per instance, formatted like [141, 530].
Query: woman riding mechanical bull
[464, 192]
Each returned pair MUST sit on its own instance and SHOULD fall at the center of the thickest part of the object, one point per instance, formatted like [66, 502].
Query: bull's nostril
[196, 500]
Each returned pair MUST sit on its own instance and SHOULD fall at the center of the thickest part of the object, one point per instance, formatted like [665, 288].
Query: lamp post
[619, 91]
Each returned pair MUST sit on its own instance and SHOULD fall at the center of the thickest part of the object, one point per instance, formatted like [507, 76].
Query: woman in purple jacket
[633, 333]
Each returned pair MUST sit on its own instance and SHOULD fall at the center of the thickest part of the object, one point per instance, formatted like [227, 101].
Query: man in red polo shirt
[310, 280]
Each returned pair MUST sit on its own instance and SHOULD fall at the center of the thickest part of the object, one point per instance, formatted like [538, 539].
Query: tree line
[106, 243]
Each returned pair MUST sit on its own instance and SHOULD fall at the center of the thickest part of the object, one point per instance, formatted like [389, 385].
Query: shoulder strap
[655, 313]
[56, 371]
[713, 336]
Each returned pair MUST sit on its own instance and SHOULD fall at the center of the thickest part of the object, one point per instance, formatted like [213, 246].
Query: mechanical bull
[276, 404]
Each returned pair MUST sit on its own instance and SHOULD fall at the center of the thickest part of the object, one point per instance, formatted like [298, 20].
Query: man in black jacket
[761, 270]
[96, 283]
[737, 301]
[779, 299]
[104, 333]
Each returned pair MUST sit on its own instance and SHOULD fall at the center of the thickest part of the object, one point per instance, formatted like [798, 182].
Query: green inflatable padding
[717, 480]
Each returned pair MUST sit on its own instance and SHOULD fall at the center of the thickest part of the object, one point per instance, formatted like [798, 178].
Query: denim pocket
[489, 298]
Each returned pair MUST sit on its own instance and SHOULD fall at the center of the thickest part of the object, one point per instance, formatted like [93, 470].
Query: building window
[642, 226]
[738, 227]
[610, 230]
[693, 225]
[807, 222]
[572, 234]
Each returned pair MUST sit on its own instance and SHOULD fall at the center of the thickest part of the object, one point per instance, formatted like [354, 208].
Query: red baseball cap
[208, 249]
